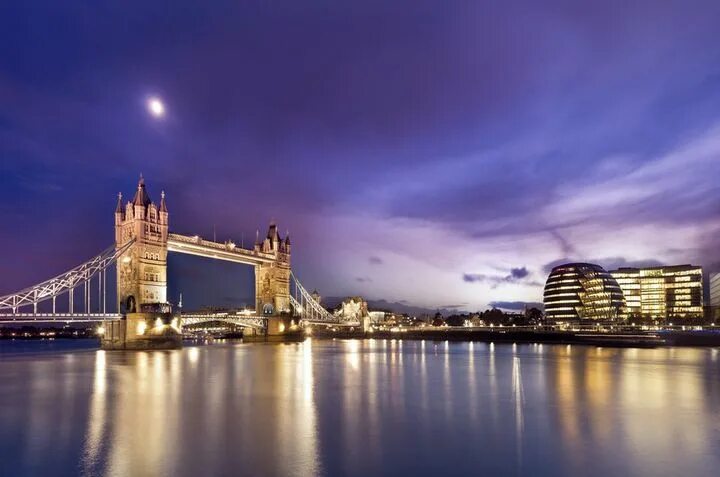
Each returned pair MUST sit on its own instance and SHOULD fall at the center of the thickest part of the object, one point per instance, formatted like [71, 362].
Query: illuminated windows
[662, 292]
[582, 292]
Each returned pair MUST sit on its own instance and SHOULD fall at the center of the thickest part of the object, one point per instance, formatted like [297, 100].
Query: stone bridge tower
[272, 280]
[142, 269]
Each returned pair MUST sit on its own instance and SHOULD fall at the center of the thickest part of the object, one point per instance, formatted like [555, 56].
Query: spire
[119, 208]
[287, 239]
[272, 231]
[163, 206]
[141, 196]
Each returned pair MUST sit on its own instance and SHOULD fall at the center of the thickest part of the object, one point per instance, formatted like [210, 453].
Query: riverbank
[633, 339]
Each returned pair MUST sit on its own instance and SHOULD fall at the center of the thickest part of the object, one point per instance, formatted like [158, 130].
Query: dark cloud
[516, 275]
[516, 305]
[373, 260]
[363, 279]
[565, 246]
[474, 277]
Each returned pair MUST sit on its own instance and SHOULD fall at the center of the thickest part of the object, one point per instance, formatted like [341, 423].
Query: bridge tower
[142, 269]
[142, 277]
[272, 280]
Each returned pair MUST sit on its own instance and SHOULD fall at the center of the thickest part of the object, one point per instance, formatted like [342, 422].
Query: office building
[715, 296]
[662, 293]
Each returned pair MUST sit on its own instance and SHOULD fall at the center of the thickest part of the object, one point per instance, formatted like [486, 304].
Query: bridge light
[141, 328]
[158, 323]
[101, 330]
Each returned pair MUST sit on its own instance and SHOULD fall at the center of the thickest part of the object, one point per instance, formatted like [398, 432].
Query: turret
[163, 206]
[273, 236]
[286, 244]
[141, 199]
[119, 213]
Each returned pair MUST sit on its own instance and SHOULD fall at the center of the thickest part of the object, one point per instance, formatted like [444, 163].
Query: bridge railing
[66, 283]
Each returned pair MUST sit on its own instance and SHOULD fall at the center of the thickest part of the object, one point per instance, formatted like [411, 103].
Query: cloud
[418, 161]
[608, 263]
[474, 277]
[516, 275]
[363, 279]
[516, 305]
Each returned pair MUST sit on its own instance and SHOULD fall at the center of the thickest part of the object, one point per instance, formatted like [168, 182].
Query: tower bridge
[141, 315]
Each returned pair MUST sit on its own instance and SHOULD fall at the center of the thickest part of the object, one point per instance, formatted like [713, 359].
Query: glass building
[662, 292]
[582, 292]
[715, 296]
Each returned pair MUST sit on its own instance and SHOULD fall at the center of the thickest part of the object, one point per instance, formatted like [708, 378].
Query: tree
[534, 315]
[456, 320]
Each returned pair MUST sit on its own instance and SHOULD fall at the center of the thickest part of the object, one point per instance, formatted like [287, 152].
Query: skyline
[446, 160]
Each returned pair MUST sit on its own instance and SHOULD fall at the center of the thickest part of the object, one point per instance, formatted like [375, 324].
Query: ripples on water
[374, 407]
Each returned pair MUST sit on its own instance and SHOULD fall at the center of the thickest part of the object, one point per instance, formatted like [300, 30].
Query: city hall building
[582, 293]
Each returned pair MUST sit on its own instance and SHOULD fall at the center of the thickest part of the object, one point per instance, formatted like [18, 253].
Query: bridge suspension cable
[67, 283]
[308, 308]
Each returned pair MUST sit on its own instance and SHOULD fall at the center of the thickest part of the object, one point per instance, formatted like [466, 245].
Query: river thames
[358, 408]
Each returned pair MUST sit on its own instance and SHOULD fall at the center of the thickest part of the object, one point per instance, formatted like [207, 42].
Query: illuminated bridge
[139, 261]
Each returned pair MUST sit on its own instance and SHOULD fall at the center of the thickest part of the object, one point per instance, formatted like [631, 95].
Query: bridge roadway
[252, 321]
[57, 317]
[222, 251]
[248, 321]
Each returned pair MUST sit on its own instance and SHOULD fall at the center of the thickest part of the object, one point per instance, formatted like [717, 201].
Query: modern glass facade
[578, 292]
[662, 292]
[715, 296]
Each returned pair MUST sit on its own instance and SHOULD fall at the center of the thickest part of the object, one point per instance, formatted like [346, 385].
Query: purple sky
[440, 153]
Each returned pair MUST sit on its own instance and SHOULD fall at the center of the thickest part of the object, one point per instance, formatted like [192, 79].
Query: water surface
[357, 408]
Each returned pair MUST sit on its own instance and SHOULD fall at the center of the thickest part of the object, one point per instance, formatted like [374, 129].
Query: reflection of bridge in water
[141, 311]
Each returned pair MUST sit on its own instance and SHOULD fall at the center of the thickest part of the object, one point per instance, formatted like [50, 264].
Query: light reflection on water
[374, 407]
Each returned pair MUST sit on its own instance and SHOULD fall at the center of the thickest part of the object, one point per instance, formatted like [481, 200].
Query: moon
[156, 107]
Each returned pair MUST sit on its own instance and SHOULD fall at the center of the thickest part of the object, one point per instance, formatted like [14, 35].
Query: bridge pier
[279, 328]
[143, 331]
